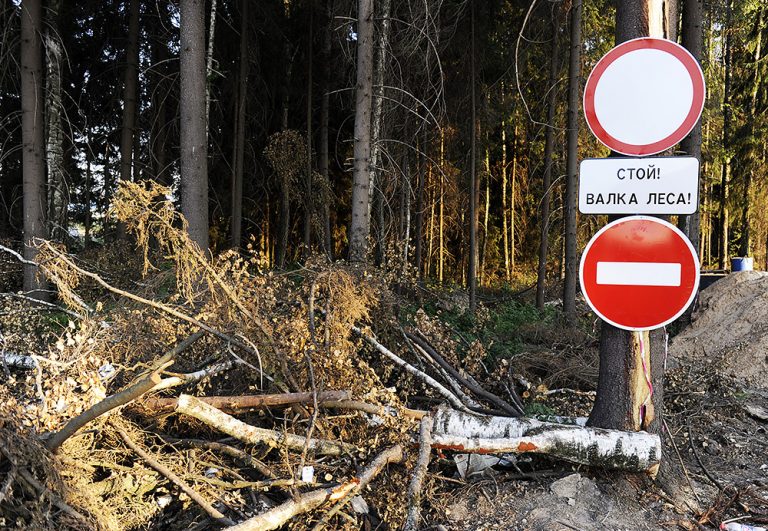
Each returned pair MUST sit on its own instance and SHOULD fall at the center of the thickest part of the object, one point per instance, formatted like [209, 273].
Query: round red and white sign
[639, 273]
[644, 96]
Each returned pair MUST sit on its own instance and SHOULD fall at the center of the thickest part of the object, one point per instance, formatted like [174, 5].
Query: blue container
[743, 263]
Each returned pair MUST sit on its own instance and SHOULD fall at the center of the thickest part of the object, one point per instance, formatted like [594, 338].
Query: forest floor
[104, 476]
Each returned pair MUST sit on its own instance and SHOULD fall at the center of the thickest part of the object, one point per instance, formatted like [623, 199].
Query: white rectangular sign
[651, 185]
[638, 273]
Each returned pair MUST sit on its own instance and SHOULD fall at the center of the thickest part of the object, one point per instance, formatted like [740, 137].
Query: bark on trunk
[725, 175]
[130, 96]
[361, 176]
[33, 162]
[57, 185]
[194, 144]
[473, 182]
[309, 200]
[574, 75]
[325, 106]
[549, 144]
[239, 158]
[693, 36]
[612, 449]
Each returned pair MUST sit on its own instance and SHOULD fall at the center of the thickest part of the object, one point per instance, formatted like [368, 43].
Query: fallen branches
[419, 472]
[234, 404]
[635, 451]
[120, 399]
[308, 501]
[514, 410]
[194, 407]
[440, 388]
[176, 480]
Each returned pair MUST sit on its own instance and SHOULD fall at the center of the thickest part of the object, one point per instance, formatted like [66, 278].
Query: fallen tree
[611, 449]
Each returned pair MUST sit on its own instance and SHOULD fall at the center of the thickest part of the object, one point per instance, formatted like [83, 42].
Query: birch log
[464, 432]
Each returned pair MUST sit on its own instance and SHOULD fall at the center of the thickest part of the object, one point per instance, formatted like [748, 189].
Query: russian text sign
[658, 185]
[639, 273]
[644, 96]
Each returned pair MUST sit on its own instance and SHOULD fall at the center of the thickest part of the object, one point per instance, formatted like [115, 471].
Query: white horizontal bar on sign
[638, 273]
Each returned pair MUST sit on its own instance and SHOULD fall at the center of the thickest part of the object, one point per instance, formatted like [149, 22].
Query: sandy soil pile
[730, 329]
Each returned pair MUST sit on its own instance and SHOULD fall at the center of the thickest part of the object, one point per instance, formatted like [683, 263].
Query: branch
[455, 402]
[419, 472]
[308, 501]
[233, 404]
[165, 471]
[111, 402]
[194, 407]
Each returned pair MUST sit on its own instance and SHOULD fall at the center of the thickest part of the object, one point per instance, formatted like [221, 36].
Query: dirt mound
[730, 329]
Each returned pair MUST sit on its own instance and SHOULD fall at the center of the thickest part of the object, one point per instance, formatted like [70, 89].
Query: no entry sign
[644, 96]
[639, 273]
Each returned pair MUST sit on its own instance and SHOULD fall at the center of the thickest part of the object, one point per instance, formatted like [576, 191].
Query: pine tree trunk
[360, 226]
[239, 147]
[209, 63]
[159, 133]
[549, 144]
[193, 141]
[504, 223]
[323, 160]
[130, 96]
[693, 36]
[32, 135]
[376, 190]
[725, 175]
[308, 197]
[574, 75]
[745, 246]
[473, 182]
[57, 185]
[419, 235]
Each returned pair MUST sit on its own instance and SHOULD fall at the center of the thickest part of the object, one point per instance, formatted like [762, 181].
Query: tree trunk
[504, 224]
[419, 235]
[33, 161]
[309, 200]
[159, 132]
[209, 64]
[361, 176]
[376, 188]
[284, 227]
[693, 36]
[324, 117]
[630, 384]
[745, 246]
[57, 185]
[130, 96]
[725, 175]
[441, 214]
[473, 182]
[574, 75]
[512, 197]
[549, 144]
[239, 158]
[194, 144]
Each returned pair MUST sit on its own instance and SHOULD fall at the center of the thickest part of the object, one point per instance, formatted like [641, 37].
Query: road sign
[644, 96]
[639, 273]
[658, 185]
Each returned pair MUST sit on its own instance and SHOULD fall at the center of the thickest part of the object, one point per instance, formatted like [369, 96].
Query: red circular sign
[639, 273]
[644, 96]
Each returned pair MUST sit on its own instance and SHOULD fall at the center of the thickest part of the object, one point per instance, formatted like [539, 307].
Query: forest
[345, 234]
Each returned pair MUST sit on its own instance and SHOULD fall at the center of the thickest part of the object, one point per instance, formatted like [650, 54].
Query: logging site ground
[165, 390]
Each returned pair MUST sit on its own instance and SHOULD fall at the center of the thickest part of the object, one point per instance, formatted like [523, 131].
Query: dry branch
[234, 404]
[245, 458]
[373, 409]
[165, 471]
[440, 388]
[419, 472]
[194, 407]
[635, 451]
[111, 402]
[306, 502]
[513, 410]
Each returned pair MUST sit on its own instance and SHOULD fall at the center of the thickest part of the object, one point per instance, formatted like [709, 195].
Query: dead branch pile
[226, 395]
